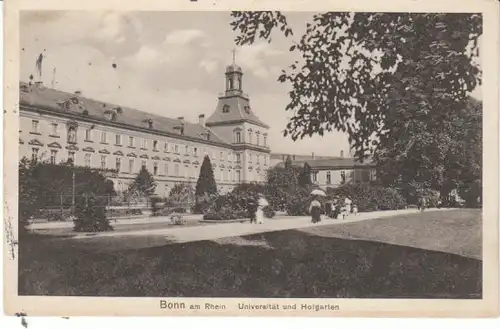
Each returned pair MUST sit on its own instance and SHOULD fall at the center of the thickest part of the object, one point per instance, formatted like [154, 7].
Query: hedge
[368, 197]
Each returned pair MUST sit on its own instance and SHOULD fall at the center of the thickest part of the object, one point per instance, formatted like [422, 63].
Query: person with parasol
[315, 206]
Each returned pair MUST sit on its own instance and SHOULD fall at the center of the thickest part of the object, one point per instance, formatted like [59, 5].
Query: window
[222, 177]
[229, 157]
[258, 138]
[155, 169]
[155, 145]
[238, 157]
[225, 108]
[88, 134]
[265, 160]
[238, 176]
[176, 170]
[130, 165]
[186, 171]
[118, 139]
[131, 141]
[186, 150]
[343, 176]
[166, 169]
[72, 135]
[166, 147]
[238, 137]
[249, 137]
[88, 158]
[71, 157]
[373, 174]
[250, 158]
[176, 149]
[118, 164]
[144, 143]
[265, 140]
[53, 156]
[230, 174]
[328, 177]
[315, 176]
[258, 158]
[144, 164]
[221, 156]
[104, 137]
[103, 161]
[195, 151]
[34, 126]
[54, 129]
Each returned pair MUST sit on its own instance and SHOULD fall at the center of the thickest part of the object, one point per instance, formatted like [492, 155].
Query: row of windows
[343, 177]
[238, 137]
[157, 169]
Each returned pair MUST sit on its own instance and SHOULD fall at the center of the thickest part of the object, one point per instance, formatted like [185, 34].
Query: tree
[304, 179]
[90, 214]
[206, 186]
[181, 193]
[394, 82]
[144, 184]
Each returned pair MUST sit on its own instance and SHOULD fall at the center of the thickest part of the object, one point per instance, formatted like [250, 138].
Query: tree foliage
[144, 184]
[181, 193]
[304, 179]
[206, 185]
[90, 214]
[396, 83]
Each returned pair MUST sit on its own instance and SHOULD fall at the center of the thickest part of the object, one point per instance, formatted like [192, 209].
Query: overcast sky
[168, 63]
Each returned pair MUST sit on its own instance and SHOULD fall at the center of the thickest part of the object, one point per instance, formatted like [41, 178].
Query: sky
[167, 63]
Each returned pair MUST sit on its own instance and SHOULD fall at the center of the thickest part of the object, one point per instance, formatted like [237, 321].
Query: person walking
[347, 205]
[315, 210]
[252, 209]
[261, 204]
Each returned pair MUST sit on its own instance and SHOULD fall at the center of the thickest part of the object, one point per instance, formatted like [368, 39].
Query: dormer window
[110, 115]
[247, 109]
[179, 129]
[149, 122]
[225, 109]
[25, 88]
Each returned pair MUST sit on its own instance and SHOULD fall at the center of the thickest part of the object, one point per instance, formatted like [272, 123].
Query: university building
[57, 126]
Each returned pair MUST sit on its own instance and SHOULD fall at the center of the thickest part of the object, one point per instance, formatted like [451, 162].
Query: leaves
[394, 82]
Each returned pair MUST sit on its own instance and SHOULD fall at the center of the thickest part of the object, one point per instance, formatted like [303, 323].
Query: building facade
[335, 171]
[57, 126]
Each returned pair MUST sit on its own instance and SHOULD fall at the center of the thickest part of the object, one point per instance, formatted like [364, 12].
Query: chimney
[201, 120]
[78, 92]
[313, 156]
[341, 153]
[180, 118]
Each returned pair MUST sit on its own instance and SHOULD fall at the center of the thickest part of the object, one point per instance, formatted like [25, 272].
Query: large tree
[206, 185]
[304, 179]
[394, 82]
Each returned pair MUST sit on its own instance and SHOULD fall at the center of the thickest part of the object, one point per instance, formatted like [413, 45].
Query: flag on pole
[39, 64]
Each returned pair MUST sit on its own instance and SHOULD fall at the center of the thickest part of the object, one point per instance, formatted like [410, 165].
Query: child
[354, 210]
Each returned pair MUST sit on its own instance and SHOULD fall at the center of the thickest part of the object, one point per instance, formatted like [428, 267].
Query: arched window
[258, 137]
[249, 136]
[328, 177]
[265, 140]
[237, 136]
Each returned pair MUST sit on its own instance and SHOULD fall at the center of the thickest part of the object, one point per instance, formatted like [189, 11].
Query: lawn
[329, 261]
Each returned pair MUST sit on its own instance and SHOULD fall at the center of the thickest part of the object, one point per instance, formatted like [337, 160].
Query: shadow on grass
[293, 264]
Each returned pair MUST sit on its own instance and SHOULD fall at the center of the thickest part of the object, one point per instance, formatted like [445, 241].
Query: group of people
[255, 208]
[333, 209]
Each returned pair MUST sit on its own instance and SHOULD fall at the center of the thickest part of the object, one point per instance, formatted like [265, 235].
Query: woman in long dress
[261, 204]
[315, 210]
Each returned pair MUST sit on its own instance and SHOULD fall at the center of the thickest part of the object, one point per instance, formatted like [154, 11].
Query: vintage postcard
[251, 158]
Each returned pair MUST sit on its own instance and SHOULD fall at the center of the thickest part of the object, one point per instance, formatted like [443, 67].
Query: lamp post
[73, 193]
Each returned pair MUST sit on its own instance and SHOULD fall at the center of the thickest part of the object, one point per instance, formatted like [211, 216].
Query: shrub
[90, 215]
[370, 198]
[297, 202]
[177, 219]
[269, 212]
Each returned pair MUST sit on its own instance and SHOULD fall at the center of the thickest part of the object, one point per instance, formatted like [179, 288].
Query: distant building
[334, 171]
[59, 126]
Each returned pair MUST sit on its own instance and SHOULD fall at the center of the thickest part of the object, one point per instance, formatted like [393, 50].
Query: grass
[316, 262]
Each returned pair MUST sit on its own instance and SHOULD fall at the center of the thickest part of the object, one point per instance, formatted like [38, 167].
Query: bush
[90, 215]
[269, 212]
[370, 198]
[177, 219]
[297, 201]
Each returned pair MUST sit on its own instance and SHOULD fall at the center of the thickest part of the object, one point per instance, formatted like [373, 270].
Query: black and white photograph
[247, 158]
